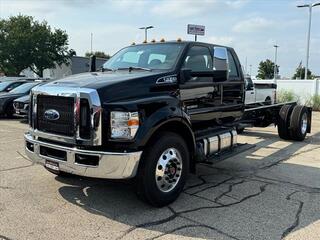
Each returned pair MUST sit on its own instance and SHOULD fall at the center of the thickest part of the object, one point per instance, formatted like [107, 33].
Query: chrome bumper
[111, 165]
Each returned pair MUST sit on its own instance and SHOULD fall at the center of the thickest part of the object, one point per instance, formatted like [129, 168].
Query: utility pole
[91, 42]
[250, 69]
[146, 32]
[309, 6]
[275, 62]
[246, 66]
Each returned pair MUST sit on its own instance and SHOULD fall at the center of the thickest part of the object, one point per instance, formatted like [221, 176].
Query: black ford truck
[151, 113]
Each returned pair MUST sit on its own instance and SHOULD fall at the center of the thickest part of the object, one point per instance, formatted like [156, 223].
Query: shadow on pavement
[236, 199]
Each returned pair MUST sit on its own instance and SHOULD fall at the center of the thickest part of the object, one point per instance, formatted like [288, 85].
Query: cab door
[196, 94]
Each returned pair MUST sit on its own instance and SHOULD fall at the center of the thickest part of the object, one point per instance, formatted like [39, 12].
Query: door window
[198, 59]
[233, 70]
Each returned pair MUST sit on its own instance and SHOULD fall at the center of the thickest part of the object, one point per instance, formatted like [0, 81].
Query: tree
[300, 71]
[266, 69]
[98, 54]
[26, 43]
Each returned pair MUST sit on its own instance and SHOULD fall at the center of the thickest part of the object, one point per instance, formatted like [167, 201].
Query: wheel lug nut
[159, 178]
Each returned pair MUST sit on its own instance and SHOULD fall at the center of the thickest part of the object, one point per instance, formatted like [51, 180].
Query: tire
[268, 101]
[9, 111]
[240, 130]
[284, 122]
[165, 160]
[299, 122]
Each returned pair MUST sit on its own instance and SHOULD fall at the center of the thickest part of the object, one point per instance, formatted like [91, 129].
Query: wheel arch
[182, 128]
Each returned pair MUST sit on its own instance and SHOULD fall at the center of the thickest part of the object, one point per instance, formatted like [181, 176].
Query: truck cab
[259, 92]
[151, 113]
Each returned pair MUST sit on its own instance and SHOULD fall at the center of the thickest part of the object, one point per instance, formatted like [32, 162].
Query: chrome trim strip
[77, 93]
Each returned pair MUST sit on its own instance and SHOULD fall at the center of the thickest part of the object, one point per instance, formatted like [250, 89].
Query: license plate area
[52, 166]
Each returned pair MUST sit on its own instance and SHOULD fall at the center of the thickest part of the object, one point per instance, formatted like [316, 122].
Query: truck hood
[97, 80]
[112, 86]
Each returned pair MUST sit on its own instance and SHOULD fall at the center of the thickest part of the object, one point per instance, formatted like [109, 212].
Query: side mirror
[185, 75]
[220, 64]
[92, 64]
[9, 89]
[249, 86]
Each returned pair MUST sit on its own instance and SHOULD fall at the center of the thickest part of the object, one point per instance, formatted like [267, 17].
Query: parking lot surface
[271, 191]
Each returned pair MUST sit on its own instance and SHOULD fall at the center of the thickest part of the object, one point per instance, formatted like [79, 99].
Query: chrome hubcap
[304, 123]
[168, 170]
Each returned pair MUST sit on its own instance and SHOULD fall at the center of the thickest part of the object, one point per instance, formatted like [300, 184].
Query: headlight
[124, 125]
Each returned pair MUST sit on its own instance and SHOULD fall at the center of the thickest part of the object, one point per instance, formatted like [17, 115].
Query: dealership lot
[271, 191]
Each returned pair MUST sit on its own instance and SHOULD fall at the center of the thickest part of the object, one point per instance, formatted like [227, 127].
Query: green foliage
[299, 74]
[314, 102]
[266, 69]
[98, 54]
[286, 96]
[25, 43]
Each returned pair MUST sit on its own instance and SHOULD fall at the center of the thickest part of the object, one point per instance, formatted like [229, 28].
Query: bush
[314, 102]
[287, 96]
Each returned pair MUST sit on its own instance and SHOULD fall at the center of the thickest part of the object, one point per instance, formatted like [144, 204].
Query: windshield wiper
[135, 68]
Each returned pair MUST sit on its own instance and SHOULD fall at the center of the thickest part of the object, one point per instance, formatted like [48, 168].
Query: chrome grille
[65, 106]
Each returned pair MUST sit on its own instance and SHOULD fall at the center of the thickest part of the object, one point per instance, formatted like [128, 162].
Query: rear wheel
[164, 170]
[284, 122]
[299, 123]
[268, 101]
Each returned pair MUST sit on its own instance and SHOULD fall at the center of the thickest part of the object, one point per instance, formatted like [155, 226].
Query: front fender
[152, 123]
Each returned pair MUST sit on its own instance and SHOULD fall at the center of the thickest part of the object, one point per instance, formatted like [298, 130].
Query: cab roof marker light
[179, 40]
[162, 40]
[133, 43]
[153, 41]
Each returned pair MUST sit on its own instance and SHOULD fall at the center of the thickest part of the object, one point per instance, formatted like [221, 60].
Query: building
[76, 65]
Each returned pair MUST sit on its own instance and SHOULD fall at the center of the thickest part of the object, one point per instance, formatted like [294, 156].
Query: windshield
[149, 56]
[24, 88]
[4, 85]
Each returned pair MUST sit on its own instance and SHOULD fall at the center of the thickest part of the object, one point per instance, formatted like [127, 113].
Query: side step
[219, 146]
[241, 147]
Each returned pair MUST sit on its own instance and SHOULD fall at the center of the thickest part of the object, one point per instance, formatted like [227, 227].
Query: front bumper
[111, 165]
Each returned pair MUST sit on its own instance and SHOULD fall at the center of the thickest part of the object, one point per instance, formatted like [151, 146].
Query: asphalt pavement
[271, 191]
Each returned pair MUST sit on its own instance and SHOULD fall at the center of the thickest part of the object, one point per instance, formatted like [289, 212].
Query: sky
[251, 27]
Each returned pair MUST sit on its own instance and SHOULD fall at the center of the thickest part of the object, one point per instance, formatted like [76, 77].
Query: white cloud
[223, 40]
[252, 25]
[237, 3]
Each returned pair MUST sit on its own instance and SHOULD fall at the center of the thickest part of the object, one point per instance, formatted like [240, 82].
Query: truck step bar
[218, 146]
[218, 157]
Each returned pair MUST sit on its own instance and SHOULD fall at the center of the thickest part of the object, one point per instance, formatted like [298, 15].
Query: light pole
[275, 61]
[310, 6]
[146, 32]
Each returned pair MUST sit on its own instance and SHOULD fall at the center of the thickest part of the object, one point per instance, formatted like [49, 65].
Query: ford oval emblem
[52, 114]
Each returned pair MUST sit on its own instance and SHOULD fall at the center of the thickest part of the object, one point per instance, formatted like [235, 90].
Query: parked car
[6, 99]
[21, 106]
[5, 79]
[7, 86]
[153, 112]
[264, 93]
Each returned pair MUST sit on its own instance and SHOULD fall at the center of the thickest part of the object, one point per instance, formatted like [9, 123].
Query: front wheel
[164, 170]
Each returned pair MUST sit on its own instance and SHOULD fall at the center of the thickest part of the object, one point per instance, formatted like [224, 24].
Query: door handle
[252, 92]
